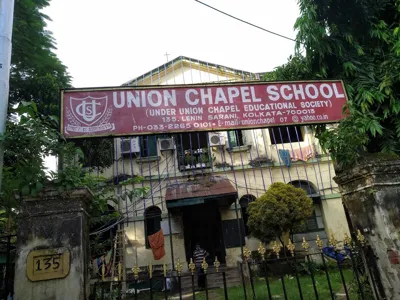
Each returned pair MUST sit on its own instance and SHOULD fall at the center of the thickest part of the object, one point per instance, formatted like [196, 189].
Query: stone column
[53, 247]
[371, 196]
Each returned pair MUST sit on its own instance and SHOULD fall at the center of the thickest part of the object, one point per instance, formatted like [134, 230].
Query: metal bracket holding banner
[127, 111]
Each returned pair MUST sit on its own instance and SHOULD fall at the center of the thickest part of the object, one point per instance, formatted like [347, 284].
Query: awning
[201, 191]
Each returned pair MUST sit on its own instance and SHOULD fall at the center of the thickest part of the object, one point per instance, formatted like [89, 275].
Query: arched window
[244, 203]
[315, 221]
[152, 222]
[307, 186]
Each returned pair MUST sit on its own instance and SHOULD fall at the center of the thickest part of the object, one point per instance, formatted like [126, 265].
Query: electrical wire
[248, 23]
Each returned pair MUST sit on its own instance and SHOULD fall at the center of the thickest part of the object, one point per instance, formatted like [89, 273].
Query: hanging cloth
[156, 242]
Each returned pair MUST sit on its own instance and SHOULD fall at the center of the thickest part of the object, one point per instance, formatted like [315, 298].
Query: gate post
[371, 196]
[53, 247]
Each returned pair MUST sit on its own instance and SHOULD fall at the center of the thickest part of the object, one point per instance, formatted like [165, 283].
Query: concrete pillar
[53, 247]
[371, 195]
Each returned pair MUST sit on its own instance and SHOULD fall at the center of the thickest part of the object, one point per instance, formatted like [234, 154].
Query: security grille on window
[148, 146]
[283, 135]
[235, 138]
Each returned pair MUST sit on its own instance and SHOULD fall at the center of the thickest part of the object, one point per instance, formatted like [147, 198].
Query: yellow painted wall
[335, 218]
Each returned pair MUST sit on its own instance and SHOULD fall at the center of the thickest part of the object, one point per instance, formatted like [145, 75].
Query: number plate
[46, 264]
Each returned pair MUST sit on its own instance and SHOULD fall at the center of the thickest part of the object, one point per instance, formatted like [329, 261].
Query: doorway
[202, 224]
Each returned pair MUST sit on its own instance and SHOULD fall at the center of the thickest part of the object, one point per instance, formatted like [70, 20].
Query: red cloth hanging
[156, 242]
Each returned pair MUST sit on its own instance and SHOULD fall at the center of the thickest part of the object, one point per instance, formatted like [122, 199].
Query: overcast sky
[105, 44]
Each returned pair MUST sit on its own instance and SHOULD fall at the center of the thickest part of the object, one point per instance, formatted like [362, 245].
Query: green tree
[282, 209]
[359, 42]
[36, 73]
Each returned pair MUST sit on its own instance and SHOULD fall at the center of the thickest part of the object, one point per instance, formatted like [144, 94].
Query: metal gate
[333, 271]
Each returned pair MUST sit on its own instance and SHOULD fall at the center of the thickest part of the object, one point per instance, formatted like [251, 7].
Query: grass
[292, 291]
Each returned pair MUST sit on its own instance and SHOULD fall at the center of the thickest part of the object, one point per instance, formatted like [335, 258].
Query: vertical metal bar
[159, 182]
[225, 288]
[356, 274]
[297, 278]
[135, 285]
[267, 280]
[149, 165]
[241, 160]
[165, 289]
[183, 73]
[341, 275]
[170, 240]
[263, 134]
[284, 287]
[283, 145]
[327, 277]
[312, 276]
[243, 281]
[258, 155]
[198, 61]
[151, 287]
[291, 148]
[251, 280]
[277, 152]
[120, 290]
[102, 292]
[239, 227]
[193, 289]
[206, 284]
[180, 287]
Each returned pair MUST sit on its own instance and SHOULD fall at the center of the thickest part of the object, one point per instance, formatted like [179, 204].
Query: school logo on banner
[89, 114]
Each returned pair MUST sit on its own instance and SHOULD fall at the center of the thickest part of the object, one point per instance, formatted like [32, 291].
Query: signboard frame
[189, 86]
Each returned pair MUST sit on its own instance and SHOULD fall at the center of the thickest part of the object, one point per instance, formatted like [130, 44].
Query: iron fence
[334, 271]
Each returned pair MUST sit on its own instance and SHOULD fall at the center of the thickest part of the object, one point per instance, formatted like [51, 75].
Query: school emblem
[89, 114]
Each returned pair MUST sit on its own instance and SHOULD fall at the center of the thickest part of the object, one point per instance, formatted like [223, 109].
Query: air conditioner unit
[130, 145]
[166, 144]
[216, 139]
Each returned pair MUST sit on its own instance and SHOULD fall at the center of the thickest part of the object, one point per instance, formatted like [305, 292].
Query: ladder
[118, 263]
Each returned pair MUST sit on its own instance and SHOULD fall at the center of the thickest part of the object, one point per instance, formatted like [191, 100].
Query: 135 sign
[46, 264]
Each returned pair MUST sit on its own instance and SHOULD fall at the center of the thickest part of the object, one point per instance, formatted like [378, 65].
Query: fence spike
[305, 245]
[277, 248]
[347, 240]
[217, 264]
[261, 251]
[360, 237]
[246, 253]
[291, 247]
[332, 241]
[320, 243]
[204, 265]
[192, 266]
[136, 271]
[179, 267]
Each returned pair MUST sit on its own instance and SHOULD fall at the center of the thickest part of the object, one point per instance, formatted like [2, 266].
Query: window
[282, 135]
[148, 146]
[235, 138]
[306, 186]
[193, 151]
[314, 222]
[152, 222]
[244, 204]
